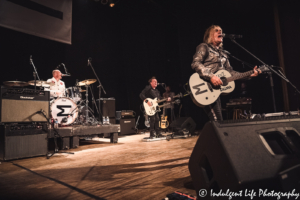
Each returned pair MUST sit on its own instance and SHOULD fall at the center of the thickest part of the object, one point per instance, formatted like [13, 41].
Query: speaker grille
[23, 110]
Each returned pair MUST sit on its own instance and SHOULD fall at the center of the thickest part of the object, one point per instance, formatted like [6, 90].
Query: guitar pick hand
[216, 81]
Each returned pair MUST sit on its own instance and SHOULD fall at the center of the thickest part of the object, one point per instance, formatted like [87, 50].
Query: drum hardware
[15, 83]
[74, 93]
[87, 84]
[39, 83]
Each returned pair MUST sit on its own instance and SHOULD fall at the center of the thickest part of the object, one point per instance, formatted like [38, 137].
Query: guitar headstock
[179, 95]
[177, 101]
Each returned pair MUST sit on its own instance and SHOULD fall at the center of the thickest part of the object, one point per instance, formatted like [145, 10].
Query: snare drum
[64, 110]
[73, 93]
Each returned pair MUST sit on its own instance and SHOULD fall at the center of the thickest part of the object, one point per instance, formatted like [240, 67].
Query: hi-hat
[15, 83]
[86, 82]
[39, 83]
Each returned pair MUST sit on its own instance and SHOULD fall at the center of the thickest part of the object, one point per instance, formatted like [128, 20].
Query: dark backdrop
[138, 39]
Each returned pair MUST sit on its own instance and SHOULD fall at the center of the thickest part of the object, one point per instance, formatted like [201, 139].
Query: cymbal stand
[87, 104]
[100, 86]
[93, 99]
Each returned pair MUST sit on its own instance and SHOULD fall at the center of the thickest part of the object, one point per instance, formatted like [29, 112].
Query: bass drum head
[64, 110]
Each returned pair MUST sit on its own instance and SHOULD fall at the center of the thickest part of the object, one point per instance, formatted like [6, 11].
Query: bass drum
[64, 110]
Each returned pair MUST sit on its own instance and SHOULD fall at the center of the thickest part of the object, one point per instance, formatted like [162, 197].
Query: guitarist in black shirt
[150, 91]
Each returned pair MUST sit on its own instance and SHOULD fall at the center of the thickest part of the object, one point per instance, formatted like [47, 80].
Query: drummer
[57, 87]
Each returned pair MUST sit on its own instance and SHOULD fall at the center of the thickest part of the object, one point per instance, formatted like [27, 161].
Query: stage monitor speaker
[21, 141]
[23, 105]
[248, 155]
[184, 123]
[108, 107]
[127, 126]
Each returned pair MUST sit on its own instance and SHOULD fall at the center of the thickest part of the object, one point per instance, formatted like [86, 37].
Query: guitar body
[204, 93]
[151, 110]
[164, 123]
[147, 121]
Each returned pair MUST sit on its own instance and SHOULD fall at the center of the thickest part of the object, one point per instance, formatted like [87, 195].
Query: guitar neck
[239, 76]
[162, 100]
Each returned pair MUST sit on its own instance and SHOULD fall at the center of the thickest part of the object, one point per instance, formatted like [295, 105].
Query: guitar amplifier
[127, 114]
[23, 140]
[23, 105]
[108, 106]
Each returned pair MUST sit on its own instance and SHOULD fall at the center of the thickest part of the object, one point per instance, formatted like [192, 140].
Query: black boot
[158, 134]
[152, 134]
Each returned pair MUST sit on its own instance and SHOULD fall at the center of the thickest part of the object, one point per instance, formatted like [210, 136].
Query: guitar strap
[213, 112]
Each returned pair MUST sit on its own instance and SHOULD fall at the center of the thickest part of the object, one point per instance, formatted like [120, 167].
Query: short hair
[207, 35]
[55, 71]
[150, 80]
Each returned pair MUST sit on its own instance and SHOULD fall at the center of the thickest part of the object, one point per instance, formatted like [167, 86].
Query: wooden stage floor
[130, 169]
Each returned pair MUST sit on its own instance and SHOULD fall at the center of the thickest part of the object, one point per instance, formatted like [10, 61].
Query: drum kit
[70, 109]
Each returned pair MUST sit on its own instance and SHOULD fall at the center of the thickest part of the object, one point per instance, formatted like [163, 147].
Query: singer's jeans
[216, 106]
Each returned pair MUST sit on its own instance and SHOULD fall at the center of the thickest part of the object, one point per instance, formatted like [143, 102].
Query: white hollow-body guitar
[204, 93]
[151, 110]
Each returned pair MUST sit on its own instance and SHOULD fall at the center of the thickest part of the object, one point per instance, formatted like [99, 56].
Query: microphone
[231, 36]
[65, 74]
[160, 84]
[89, 61]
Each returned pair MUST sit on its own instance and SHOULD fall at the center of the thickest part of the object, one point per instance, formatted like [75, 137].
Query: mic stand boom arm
[99, 86]
[269, 73]
[35, 74]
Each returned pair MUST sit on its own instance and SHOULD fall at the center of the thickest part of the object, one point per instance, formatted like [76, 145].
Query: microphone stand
[35, 74]
[99, 86]
[281, 75]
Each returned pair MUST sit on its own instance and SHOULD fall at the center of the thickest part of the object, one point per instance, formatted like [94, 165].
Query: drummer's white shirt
[56, 86]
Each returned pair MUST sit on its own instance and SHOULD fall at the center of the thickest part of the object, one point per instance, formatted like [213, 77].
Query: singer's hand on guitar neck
[255, 72]
[216, 81]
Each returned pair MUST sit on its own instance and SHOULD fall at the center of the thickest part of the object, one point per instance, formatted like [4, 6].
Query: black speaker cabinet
[108, 107]
[23, 105]
[184, 123]
[21, 141]
[112, 120]
[248, 155]
[127, 126]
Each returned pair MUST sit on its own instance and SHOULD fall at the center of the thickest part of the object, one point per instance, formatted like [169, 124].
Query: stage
[98, 169]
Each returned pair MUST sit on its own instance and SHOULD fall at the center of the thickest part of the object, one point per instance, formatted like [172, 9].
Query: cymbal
[86, 82]
[82, 90]
[15, 83]
[39, 83]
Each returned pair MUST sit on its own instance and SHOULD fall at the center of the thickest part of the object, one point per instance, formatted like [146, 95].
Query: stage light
[112, 3]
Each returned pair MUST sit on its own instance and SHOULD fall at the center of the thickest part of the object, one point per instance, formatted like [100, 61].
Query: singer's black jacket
[149, 92]
[208, 60]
